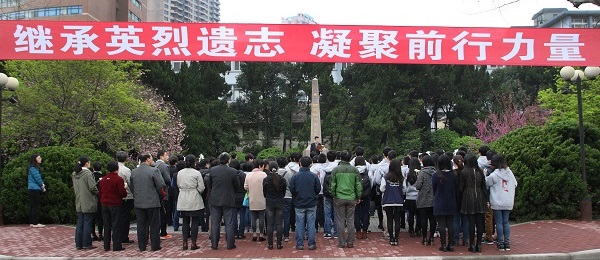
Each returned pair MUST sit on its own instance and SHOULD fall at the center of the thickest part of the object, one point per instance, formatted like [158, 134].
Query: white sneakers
[37, 225]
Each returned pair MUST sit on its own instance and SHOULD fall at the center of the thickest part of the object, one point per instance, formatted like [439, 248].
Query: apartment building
[74, 10]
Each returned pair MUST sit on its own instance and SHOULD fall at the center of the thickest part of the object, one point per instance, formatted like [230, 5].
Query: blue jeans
[461, 224]
[239, 220]
[175, 216]
[306, 218]
[329, 217]
[502, 227]
[83, 230]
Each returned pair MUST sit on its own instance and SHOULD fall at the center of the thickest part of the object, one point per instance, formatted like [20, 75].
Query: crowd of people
[428, 194]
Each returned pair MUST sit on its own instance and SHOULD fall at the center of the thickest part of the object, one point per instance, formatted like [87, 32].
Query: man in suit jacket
[223, 182]
[314, 147]
[146, 186]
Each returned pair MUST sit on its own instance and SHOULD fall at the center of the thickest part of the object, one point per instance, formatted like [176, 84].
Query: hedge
[546, 163]
[57, 204]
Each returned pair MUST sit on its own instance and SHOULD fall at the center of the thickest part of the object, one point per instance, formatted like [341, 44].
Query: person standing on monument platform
[315, 146]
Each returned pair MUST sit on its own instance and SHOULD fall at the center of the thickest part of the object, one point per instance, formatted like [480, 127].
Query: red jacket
[112, 190]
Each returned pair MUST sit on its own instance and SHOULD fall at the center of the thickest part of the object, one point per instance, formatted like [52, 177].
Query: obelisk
[315, 115]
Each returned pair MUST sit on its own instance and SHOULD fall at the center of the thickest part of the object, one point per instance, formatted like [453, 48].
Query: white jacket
[191, 185]
[502, 184]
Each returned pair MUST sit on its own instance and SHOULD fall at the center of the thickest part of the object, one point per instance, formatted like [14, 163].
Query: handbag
[246, 201]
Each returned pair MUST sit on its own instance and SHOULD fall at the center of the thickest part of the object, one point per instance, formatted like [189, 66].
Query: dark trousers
[98, 221]
[148, 223]
[111, 218]
[275, 216]
[125, 219]
[446, 222]
[287, 210]
[163, 219]
[427, 217]
[220, 213]
[361, 215]
[378, 208]
[320, 213]
[83, 230]
[34, 206]
[169, 211]
[393, 214]
[190, 227]
[203, 221]
[411, 207]
[475, 220]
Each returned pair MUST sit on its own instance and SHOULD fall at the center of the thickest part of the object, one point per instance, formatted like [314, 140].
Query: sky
[453, 13]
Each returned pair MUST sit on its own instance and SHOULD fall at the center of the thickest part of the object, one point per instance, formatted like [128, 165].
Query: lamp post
[11, 84]
[568, 73]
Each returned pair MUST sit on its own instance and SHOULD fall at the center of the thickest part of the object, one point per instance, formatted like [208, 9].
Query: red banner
[60, 40]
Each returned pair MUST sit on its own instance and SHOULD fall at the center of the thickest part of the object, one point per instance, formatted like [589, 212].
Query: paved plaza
[557, 238]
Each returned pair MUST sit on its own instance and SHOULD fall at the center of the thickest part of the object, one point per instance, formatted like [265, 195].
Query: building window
[133, 17]
[595, 23]
[42, 12]
[10, 3]
[579, 23]
[237, 65]
[137, 3]
[166, 19]
[166, 12]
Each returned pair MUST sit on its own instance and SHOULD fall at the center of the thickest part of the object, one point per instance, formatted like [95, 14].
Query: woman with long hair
[502, 184]
[274, 188]
[35, 187]
[189, 202]
[410, 204]
[86, 203]
[393, 199]
[473, 191]
[444, 203]
[461, 222]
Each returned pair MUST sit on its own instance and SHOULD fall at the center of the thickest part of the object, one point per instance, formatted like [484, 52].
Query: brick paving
[561, 236]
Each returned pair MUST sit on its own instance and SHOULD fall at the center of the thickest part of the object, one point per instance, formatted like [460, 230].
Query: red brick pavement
[562, 236]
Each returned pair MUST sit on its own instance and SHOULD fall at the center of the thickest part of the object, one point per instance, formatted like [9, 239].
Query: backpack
[366, 184]
[327, 185]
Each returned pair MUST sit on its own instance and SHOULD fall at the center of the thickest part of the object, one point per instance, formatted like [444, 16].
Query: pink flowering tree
[172, 132]
[509, 117]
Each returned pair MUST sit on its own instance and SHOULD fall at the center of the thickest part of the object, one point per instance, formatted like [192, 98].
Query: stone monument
[315, 116]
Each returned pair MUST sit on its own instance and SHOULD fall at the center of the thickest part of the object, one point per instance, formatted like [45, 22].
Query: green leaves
[546, 163]
[58, 203]
[78, 103]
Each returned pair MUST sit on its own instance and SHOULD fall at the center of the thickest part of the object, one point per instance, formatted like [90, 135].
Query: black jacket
[223, 182]
[273, 195]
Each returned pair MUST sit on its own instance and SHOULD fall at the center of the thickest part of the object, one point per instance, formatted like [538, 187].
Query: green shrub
[443, 139]
[58, 202]
[269, 152]
[298, 149]
[546, 163]
[471, 143]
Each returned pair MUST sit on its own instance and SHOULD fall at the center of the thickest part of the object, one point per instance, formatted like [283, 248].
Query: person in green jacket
[346, 190]
[86, 204]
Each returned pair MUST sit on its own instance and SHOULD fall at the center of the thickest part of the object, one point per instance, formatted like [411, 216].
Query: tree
[79, 103]
[198, 91]
[510, 117]
[263, 101]
[577, 3]
[564, 107]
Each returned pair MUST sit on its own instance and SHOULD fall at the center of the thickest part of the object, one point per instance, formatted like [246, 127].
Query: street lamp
[568, 73]
[11, 84]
